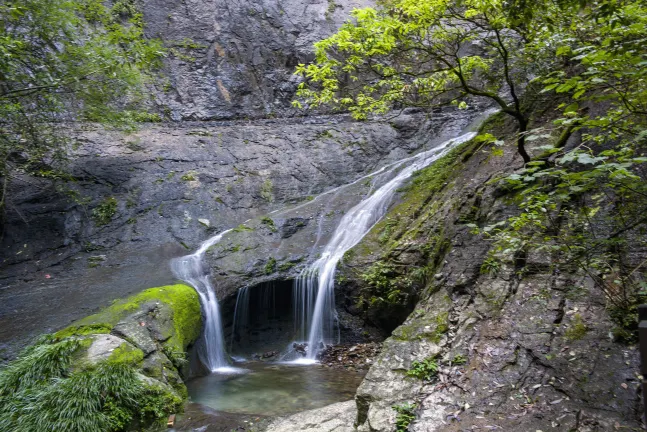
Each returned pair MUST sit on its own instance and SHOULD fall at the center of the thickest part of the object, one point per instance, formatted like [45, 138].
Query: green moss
[270, 267]
[182, 299]
[242, 227]
[269, 222]
[577, 328]
[286, 266]
[104, 212]
[431, 328]
[190, 176]
[81, 330]
[127, 354]
[442, 326]
[267, 190]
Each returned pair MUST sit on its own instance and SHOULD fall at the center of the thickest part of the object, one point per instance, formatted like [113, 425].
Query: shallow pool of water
[274, 389]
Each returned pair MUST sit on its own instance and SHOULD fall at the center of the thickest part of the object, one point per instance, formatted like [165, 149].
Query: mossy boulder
[173, 309]
[115, 370]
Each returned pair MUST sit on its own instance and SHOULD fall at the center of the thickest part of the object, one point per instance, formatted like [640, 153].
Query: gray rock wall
[235, 59]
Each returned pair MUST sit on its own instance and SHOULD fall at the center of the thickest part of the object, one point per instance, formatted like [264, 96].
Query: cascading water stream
[190, 268]
[315, 285]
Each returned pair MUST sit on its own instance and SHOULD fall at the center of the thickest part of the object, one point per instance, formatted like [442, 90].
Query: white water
[314, 289]
[191, 269]
[315, 314]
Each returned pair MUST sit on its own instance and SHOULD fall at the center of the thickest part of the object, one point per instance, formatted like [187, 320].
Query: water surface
[274, 389]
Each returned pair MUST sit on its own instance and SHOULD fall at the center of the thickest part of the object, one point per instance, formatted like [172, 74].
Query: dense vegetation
[45, 390]
[55, 385]
[581, 193]
[64, 61]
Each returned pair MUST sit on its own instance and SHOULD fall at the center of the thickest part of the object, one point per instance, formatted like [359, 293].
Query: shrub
[424, 370]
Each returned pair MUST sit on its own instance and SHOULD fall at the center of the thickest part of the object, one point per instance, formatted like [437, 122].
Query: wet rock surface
[518, 348]
[337, 417]
[356, 357]
[163, 180]
[199, 418]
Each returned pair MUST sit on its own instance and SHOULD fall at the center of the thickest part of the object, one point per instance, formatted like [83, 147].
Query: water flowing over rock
[190, 268]
[319, 277]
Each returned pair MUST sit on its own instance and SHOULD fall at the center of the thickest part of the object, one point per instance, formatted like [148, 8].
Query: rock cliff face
[140, 199]
[519, 347]
[232, 59]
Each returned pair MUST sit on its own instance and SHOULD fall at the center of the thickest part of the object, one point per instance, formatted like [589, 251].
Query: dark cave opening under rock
[260, 320]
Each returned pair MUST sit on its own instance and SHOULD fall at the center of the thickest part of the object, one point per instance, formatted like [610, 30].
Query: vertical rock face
[236, 58]
[518, 346]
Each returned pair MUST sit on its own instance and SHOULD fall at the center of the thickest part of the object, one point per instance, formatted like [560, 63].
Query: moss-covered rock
[111, 371]
[182, 301]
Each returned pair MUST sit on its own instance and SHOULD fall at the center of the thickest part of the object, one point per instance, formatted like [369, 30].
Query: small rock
[205, 222]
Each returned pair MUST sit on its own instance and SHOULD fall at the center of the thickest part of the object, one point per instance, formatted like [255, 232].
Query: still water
[274, 389]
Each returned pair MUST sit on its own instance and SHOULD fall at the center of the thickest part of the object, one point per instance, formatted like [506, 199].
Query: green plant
[384, 284]
[270, 266]
[459, 360]
[104, 212]
[269, 222]
[406, 415]
[491, 265]
[41, 391]
[331, 9]
[576, 329]
[424, 370]
[388, 227]
[190, 176]
[82, 60]
[286, 266]
[267, 190]
[242, 227]
[324, 134]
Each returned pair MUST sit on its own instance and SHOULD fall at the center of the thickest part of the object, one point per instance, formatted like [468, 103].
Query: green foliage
[576, 329]
[384, 284]
[66, 60]
[331, 8]
[286, 266]
[104, 212]
[270, 266]
[267, 190]
[387, 231]
[242, 228]
[459, 360]
[269, 222]
[190, 176]
[424, 370]
[40, 391]
[406, 414]
[491, 265]
[325, 134]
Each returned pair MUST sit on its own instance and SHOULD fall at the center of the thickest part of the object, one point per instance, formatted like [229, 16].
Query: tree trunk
[521, 141]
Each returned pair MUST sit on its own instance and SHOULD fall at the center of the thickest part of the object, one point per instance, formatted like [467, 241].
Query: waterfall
[191, 270]
[314, 289]
[241, 320]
